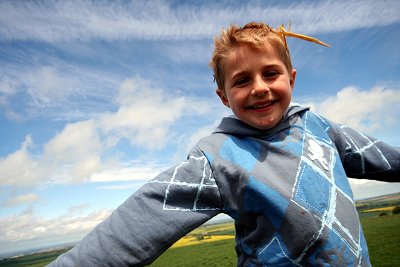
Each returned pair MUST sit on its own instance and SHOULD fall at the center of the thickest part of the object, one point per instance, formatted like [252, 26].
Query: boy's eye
[270, 74]
[241, 81]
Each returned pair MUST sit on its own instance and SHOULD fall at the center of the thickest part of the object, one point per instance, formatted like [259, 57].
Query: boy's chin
[264, 125]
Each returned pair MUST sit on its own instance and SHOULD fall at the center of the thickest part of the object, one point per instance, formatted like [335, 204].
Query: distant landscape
[213, 244]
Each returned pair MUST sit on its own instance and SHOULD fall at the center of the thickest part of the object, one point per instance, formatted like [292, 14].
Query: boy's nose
[260, 87]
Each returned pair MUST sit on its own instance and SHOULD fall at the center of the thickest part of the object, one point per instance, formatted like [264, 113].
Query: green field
[37, 260]
[383, 237]
[382, 234]
[218, 253]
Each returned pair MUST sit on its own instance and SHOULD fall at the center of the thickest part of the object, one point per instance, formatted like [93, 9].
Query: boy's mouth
[261, 106]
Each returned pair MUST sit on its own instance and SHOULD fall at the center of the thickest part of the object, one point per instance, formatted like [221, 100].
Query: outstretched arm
[152, 219]
[366, 157]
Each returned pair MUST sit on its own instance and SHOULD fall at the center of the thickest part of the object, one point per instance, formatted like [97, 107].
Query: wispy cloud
[130, 171]
[54, 21]
[30, 226]
[364, 110]
[369, 188]
[336, 16]
[119, 187]
[54, 90]
[22, 199]
[145, 115]
[146, 118]
[20, 164]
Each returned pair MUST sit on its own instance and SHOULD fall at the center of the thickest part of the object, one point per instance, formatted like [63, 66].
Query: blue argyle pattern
[304, 194]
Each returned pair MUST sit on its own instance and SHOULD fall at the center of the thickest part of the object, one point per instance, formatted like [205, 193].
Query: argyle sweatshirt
[286, 188]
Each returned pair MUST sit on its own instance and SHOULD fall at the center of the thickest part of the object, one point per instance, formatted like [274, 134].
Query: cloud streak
[54, 90]
[366, 111]
[81, 150]
[21, 165]
[368, 188]
[29, 226]
[22, 199]
[58, 21]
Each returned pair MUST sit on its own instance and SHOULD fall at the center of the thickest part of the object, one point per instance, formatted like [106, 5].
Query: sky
[97, 97]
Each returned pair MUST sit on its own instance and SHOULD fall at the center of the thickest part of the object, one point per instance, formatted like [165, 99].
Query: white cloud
[366, 111]
[46, 86]
[77, 140]
[77, 150]
[6, 88]
[29, 226]
[76, 154]
[136, 172]
[22, 199]
[70, 156]
[14, 116]
[145, 115]
[194, 53]
[335, 16]
[131, 186]
[19, 167]
[86, 20]
[55, 90]
[369, 188]
[76, 209]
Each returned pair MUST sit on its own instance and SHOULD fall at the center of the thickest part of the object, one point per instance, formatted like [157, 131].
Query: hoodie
[286, 188]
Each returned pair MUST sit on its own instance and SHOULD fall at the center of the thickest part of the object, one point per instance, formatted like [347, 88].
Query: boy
[279, 170]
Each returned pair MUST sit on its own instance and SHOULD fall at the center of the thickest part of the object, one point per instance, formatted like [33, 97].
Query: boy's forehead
[240, 52]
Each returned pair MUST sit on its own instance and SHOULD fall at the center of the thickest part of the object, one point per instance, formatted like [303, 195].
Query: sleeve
[152, 219]
[365, 157]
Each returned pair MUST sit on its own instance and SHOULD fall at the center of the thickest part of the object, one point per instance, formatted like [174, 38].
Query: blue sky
[97, 97]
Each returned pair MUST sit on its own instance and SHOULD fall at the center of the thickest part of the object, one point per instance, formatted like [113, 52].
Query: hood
[233, 126]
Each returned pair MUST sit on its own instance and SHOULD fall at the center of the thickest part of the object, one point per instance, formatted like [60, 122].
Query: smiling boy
[279, 170]
[257, 85]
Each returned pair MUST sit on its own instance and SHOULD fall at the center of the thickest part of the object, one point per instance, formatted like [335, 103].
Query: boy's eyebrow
[237, 74]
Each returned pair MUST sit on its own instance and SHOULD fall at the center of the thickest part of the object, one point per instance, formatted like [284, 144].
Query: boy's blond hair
[255, 34]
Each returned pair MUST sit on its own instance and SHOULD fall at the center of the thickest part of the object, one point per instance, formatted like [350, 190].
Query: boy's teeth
[261, 106]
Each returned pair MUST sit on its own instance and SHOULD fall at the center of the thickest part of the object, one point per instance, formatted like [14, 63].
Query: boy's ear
[222, 96]
[293, 78]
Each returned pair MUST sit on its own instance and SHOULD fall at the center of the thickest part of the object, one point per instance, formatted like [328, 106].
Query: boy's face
[258, 87]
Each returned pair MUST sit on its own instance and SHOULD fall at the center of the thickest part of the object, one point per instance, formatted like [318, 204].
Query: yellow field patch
[192, 240]
[390, 208]
[213, 228]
